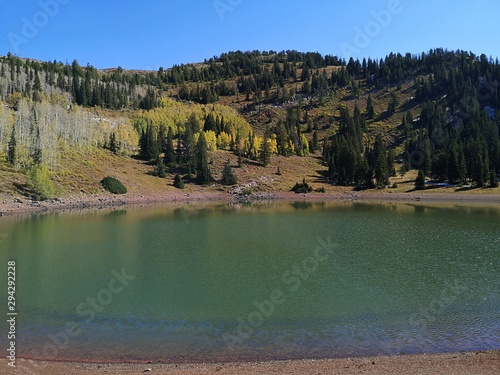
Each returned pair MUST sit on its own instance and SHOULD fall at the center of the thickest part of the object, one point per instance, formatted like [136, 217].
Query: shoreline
[479, 362]
[13, 206]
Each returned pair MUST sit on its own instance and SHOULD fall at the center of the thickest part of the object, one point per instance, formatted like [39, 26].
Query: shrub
[113, 185]
[320, 190]
[302, 188]
[39, 182]
[178, 183]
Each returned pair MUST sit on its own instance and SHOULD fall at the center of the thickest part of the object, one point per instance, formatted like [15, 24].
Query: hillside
[340, 125]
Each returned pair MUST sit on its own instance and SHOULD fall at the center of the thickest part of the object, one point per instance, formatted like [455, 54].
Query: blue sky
[148, 34]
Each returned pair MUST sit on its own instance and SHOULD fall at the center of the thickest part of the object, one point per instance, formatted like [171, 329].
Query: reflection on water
[255, 281]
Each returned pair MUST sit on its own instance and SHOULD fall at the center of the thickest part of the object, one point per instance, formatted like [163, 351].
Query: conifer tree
[160, 168]
[393, 104]
[420, 181]
[228, 177]
[203, 174]
[265, 150]
[11, 147]
[112, 146]
[493, 178]
[370, 111]
[178, 183]
[169, 148]
[381, 167]
[315, 144]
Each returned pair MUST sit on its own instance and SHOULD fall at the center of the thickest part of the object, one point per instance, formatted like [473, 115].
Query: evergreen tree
[178, 183]
[265, 150]
[210, 124]
[203, 174]
[453, 164]
[228, 177]
[189, 157]
[420, 181]
[427, 162]
[493, 178]
[11, 148]
[112, 146]
[162, 139]
[169, 148]
[178, 152]
[391, 157]
[370, 111]
[462, 171]
[381, 166]
[160, 168]
[393, 104]
[315, 144]
[152, 144]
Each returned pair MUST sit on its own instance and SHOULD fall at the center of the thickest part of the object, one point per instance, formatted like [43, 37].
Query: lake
[256, 281]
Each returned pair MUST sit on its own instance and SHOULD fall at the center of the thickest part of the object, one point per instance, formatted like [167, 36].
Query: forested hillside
[364, 121]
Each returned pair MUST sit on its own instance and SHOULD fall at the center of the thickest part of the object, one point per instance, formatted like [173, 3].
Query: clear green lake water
[262, 281]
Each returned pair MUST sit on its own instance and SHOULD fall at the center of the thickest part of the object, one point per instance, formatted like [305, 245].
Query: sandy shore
[483, 363]
[16, 205]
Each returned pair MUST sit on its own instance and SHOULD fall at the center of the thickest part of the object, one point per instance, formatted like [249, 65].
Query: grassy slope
[80, 171]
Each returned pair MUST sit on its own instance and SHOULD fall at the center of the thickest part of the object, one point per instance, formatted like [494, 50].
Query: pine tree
[462, 169]
[265, 150]
[169, 148]
[189, 158]
[178, 152]
[37, 88]
[381, 166]
[240, 159]
[11, 150]
[391, 157]
[160, 168]
[420, 181]
[453, 164]
[203, 174]
[315, 143]
[178, 183]
[228, 177]
[112, 146]
[493, 178]
[370, 111]
[393, 104]
[162, 139]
